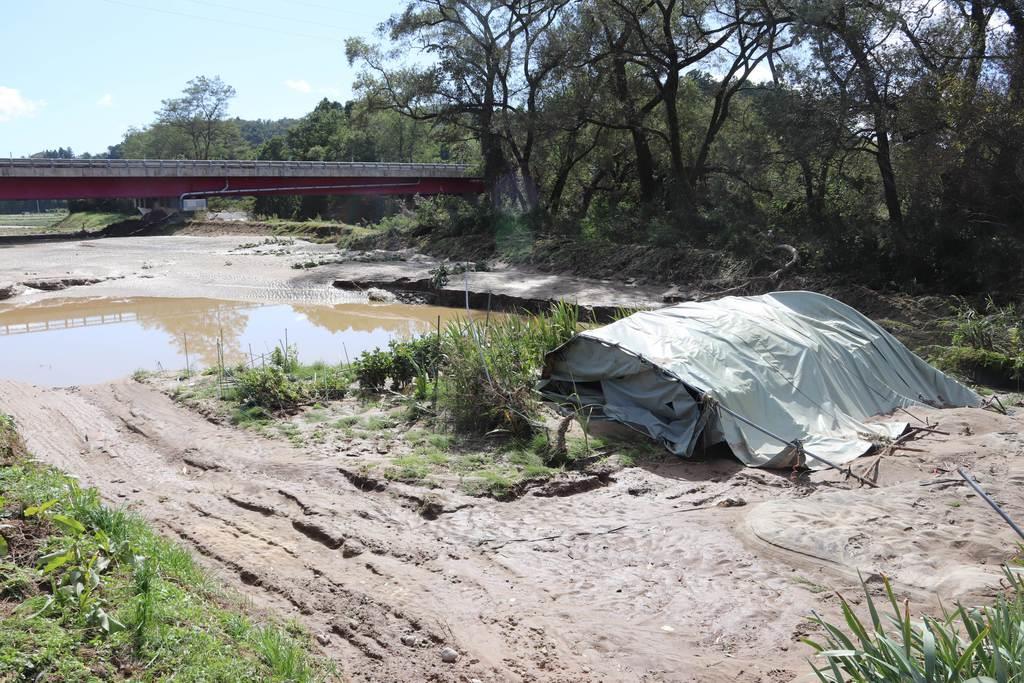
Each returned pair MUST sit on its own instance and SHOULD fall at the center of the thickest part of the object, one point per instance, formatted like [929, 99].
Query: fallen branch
[931, 430]
[768, 282]
[993, 403]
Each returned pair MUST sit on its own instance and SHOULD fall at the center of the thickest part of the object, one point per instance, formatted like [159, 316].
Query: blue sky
[79, 73]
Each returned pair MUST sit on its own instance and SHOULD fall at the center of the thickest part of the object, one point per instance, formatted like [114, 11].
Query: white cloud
[14, 105]
[299, 86]
[106, 101]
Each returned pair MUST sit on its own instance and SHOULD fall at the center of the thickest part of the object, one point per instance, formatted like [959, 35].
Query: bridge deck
[109, 178]
[182, 168]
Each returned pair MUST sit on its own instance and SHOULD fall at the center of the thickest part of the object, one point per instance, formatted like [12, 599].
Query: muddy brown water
[67, 342]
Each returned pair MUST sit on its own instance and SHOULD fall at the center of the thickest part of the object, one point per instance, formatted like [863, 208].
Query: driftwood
[764, 283]
[899, 444]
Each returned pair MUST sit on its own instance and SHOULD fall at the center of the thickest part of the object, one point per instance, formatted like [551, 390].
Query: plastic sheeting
[777, 377]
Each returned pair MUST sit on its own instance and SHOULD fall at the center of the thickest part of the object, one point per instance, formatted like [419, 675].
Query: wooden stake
[188, 368]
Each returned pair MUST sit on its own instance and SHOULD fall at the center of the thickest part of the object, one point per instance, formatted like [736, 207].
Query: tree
[59, 153]
[491, 60]
[199, 114]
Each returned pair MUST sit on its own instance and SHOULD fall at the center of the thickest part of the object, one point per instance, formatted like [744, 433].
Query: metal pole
[995, 506]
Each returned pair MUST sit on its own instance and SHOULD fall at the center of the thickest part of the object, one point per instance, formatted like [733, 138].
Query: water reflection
[80, 341]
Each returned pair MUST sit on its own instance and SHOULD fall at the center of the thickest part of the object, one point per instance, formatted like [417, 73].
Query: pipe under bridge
[22, 179]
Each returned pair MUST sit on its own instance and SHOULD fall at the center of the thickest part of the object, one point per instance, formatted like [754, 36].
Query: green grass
[498, 473]
[254, 416]
[291, 432]
[166, 618]
[413, 468]
[32, 220]
[141, 375]
[379, 423]
[90, 221]
[346, 422]
[315, 416]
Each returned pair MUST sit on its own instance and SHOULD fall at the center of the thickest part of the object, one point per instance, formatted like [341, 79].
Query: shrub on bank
[491, 367]
[987, 345]
[486, 369]
[286, 384]
[269, 388]
[402, 362]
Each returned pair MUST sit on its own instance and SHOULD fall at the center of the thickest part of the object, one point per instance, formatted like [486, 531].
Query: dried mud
[671, 571]
[253, 268]
[676, 571]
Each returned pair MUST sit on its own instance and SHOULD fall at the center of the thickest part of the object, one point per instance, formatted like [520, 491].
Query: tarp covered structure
[776, 377]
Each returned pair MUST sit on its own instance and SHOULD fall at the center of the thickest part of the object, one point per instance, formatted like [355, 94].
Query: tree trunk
[490, 146]
[641, 145]
[883, 153]
[885, 169]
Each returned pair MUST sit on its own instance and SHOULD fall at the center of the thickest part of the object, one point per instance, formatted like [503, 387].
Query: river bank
[656, 569]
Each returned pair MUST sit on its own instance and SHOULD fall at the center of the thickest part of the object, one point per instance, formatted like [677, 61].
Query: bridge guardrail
[220, 167]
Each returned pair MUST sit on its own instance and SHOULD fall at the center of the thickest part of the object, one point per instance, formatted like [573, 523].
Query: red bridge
[183, 179]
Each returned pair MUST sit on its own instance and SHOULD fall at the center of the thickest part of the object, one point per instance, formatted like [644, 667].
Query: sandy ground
[653, 577]
[247, 268]
[672, 571]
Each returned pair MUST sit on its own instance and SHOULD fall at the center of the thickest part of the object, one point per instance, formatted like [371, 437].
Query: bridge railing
[221, 167]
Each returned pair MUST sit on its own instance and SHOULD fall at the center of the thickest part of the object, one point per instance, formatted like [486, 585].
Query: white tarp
[761, 373]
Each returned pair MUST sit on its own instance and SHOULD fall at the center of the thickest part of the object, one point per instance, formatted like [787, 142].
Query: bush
[373, 369]
[268, 388]
[987, 345]
[490, 368]
[286, 359]
[11, 446]
[980, 365]
[402, 362]
[325, 383]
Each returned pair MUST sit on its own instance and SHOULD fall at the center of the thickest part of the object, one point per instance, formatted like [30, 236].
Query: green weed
[378, 423]
[253, 416]
[286, 658]
[141, 375]
[123, 602]
[979, 644]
